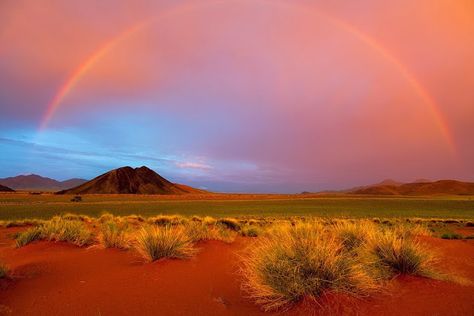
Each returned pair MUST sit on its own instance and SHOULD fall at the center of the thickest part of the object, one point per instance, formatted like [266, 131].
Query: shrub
[114, 235]
[28, 236]
[395, 254]
[301, 261]
[154, 243]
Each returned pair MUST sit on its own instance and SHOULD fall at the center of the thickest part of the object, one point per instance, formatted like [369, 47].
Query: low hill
[127, 180]
[446, 187]
[5, 189]
[36, 182]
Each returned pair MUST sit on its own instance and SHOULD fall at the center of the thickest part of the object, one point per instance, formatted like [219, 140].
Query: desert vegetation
[3, 271]
[307, 259]
[287, 259]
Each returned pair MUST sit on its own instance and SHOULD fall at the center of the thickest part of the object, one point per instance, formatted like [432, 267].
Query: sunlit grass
[303, 261]
[114, 235]
[154, 243]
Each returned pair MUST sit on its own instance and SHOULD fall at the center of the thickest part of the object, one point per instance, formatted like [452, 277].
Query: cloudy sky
[260, 95]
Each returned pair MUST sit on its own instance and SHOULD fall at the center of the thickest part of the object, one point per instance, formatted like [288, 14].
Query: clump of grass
[28, 236]
[451, 236]
[198, 231]
[294, 262]
[58, 229]
[114, 235]
[154, 243]
[4, 271]
[353, 235]
[106, 217]
[395, 254]
[167, 220]
[230, 223]
[250, 231]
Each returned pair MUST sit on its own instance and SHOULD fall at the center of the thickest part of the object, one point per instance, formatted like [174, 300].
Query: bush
[154, 243]
[291, 263]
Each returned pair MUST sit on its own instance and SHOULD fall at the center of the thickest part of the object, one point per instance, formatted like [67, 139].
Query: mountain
[127, 180]
[36, 182]
[447, 187]
[5, 189]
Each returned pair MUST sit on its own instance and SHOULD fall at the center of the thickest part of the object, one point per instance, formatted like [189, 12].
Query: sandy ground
[62, 279]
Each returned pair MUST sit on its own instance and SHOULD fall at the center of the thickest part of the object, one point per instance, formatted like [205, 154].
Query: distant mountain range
[419, 187]
[127, 180]
[5, 189]
[34, 182]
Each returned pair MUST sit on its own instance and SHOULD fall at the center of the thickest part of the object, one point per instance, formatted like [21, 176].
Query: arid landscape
[238, 261]
[237, 157]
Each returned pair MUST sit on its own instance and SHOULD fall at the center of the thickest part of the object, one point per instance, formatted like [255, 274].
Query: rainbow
[75, 76]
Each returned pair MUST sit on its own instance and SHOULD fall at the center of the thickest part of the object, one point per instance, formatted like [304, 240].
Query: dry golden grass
[290, 263]
[199, 231]
[114, 235]
[57, 229]
[154, 243]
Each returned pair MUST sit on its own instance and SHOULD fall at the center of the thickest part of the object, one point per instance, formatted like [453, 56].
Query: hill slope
[127, 180]
[5, 189]
[36, 182]
[447, 187]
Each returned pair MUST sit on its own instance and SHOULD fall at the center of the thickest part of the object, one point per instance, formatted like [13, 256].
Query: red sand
[62, 279]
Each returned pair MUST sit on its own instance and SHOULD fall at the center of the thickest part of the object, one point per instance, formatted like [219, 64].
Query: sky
[239, 96]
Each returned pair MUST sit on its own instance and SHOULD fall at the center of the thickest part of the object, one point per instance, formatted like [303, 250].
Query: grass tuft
[114, 235]
[28, 236]
[4, 271]
[154, 243]
[294, 262]
[397, 254]
[230, 223]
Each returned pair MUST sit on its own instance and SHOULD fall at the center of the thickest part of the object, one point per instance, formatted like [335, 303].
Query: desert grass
[114, 235]
[57, 229]
[394, 254]
[154, 243]
[301, 261]
[354, 234]
[230, 223]
[28, 236]
[167, 220]
[4, 271]
[250, 230]
[72, 231]
[200, 231]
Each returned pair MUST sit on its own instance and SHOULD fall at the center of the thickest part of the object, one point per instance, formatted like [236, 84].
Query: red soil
[59, 279]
